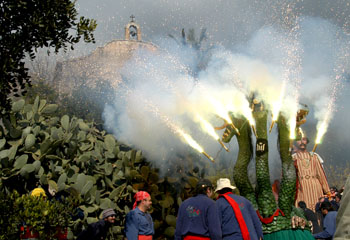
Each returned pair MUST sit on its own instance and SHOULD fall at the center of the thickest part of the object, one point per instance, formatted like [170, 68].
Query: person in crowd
[237, 216]
[311, 178]
[343, 217]
[336, 202]
[310, 216]
[334, 191]
[329, 222]
[99, 230]
[318, 210]
[318, 204]
[139, 223]
[198, 216]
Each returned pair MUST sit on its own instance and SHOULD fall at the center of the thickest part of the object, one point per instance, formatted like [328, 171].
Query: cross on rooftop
[132, 17]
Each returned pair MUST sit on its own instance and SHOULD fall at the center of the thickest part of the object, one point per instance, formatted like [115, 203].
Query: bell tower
[132, 30]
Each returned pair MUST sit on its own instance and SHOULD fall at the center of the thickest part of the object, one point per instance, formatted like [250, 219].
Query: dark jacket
[311, 216]
[198, 216]
[95, 231]
[335, 205]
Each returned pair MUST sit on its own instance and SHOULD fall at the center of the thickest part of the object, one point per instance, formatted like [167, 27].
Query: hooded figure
[99, 230]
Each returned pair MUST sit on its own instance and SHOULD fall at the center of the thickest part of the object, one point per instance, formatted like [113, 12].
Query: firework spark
[276, 107]
[210, 130]
[177, 130]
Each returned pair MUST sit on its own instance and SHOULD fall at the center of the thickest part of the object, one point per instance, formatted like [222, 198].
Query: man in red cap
[139, 224]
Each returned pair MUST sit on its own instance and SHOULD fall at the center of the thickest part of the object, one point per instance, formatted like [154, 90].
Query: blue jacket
[328, 226]
[229, 223]
[198, 216]
[138, 223]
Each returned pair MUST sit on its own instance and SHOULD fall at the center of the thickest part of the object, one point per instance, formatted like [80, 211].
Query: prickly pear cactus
[65, 153]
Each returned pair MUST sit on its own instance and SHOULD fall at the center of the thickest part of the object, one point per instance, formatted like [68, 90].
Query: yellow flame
[220, 110]
[190, 141]
[247, 113]
[302, 132]
[276, 107]
[208, 127]
[321, 130]
[292, 125]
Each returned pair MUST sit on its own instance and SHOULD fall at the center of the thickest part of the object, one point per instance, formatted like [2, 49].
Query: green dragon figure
[280, 219]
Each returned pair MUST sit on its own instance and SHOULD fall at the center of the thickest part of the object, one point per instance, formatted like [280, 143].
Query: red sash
[145, 237]
[269, 219]
[238, 214]
[189, 237]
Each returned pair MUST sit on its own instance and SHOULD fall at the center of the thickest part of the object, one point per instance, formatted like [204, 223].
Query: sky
[262, 44]
[227, 21]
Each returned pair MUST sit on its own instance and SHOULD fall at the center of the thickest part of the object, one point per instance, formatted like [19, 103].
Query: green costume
[276, 217]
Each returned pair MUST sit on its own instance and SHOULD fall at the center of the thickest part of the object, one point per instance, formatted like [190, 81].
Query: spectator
[139, 223]
[318, 204]
[198, 216]
[237, 216]
[334, 191]
[99, 230]
[310, 216]
[336, 202]
[319, 212]
[329, 223]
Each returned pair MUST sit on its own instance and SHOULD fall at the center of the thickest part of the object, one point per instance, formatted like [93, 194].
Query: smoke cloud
[163, 92]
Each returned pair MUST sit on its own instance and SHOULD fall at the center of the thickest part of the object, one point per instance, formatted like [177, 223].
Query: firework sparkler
[321, 130]
[223, 113]
[194, 144]
[247, 113]
[276, 107]
[210, 130]
[177, 130]
[323, 126]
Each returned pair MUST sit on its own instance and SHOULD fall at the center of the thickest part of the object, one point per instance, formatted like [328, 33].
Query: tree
[29, 25]
[202, 51]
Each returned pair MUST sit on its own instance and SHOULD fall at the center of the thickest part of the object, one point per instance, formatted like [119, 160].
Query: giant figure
[311, 179]
[278, 217]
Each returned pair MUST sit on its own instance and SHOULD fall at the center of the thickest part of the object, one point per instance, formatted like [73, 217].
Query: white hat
[223, 183]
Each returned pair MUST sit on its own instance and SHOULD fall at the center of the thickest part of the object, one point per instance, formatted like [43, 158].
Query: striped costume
[312, 182]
